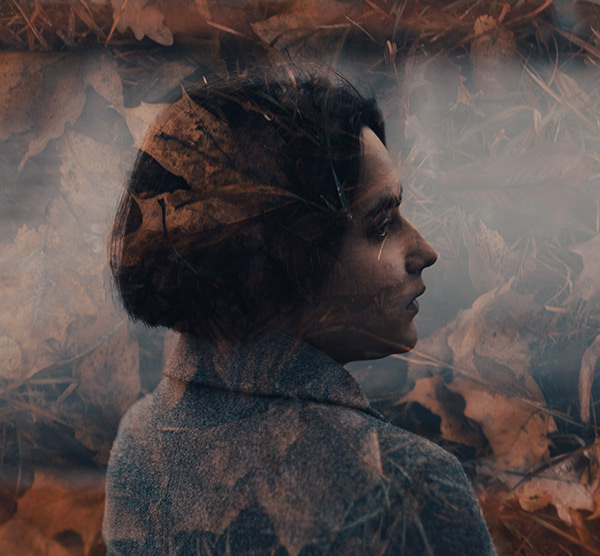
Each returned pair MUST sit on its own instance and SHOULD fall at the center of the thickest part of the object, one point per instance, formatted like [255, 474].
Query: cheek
[369, 267]
[389, 268]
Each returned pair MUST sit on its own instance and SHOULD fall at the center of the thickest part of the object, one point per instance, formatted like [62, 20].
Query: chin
[402, 339]
[363, 343]
[380, 345]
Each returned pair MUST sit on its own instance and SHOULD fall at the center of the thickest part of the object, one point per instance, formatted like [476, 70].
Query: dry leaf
[20, 80]
[517, 431]
[165, 82]
[181, 148]
[108, 384]
[19, 537]
[57, 503]
[42, 93]
[53, 274]
[294, 30]
[586, 378]
[432, 393]
[144, 18]
[100, 72]
[561, 486]
[493, 328]
[587, 284]
[140, 118]
[493, 355]
[515, 193]
[487, 349]
[191, 20]
[492, 50]
[491, 261]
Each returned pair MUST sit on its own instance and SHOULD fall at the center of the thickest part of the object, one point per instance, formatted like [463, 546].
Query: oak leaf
[144, 18]
[565, 487]
[44, 92]
[488, 350]
[432, 393]
[53, 274]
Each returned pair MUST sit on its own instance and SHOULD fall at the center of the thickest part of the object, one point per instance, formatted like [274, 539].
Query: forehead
[378, 179]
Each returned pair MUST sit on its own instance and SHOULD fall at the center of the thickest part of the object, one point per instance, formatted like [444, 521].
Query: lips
[413, 305]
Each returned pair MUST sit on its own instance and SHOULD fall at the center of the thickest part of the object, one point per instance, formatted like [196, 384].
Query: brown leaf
[517, 431]
[586, 378]
[182, 148]
[297, 31]
[53, 274]
[20, 79]
[108, 384]
[60, 102]
[57, 503]
[487, 349]
[587, 284]
[140, 118]
[100, 72]
[491, 328]
[109, 376]
[492, 49]
[42, 93]
[19, 536]
[491, 261]
[561, 486]
[515, 193]
[191, 19]
[432, 393]
[144, 18]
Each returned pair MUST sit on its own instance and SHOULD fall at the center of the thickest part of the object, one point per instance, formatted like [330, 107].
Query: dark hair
[239, 198]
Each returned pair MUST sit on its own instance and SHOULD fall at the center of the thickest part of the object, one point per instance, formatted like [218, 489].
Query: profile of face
[372, 290]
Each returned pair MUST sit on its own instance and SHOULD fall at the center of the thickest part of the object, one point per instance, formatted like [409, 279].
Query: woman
[262, 222]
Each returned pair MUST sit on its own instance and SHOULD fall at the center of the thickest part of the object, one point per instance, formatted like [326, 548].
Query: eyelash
[380, 230]
[380, 224]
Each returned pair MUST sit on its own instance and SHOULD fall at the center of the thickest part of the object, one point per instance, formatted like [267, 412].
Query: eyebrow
[387, 204]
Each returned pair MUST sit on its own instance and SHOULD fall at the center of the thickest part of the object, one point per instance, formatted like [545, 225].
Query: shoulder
[133, 449]
[134, 424]
[430, 494]
[399, 489]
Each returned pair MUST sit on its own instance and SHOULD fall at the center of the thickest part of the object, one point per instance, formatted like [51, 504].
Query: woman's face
[369, 305]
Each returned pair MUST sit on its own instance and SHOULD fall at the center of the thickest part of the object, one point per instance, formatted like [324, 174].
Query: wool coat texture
[269, 447]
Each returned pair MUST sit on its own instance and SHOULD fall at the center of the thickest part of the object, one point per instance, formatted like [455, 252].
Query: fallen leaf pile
[492, 113]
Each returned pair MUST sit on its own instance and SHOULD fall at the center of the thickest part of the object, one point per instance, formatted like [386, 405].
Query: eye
[379, 231]
[380, 225]
[380, 220]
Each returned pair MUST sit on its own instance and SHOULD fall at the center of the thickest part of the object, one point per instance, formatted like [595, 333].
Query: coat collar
[271, 364]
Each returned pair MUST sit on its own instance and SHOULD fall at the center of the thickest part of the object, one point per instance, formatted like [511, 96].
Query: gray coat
[270, 448]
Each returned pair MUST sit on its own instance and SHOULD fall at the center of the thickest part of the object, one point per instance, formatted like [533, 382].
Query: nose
[420, 254]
